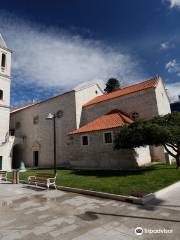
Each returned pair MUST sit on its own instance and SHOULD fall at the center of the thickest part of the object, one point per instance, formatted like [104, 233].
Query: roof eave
[97, 130]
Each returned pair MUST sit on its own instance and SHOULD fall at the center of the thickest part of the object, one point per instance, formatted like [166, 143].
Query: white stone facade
[39, 136]
[5, 73]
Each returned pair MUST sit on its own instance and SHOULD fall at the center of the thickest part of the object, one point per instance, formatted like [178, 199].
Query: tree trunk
[178, 157]
[177, 161]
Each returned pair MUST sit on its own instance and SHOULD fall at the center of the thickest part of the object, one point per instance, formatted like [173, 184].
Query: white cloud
[173, 90]
[174, 3]
[173, 66]
[48, 59]
[164, 45]
[54, 58]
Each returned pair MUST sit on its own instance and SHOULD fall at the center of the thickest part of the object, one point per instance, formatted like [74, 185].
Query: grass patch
[145, 180]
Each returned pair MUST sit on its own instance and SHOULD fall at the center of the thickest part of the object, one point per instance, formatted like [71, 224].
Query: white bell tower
[5, 72]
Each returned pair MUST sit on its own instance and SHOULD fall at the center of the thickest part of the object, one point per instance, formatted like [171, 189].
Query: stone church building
[89, 121]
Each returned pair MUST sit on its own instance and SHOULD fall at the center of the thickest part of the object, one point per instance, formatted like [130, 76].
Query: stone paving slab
[35, 213]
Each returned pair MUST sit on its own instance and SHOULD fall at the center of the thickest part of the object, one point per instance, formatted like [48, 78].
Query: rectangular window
[0, 162]
[12, 132]
[1, 94]
[108, 137]
[85, 140]
[3, 62]
[36, 120]
[36, 158]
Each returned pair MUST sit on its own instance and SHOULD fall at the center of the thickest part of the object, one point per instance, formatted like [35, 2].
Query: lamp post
[53, 116]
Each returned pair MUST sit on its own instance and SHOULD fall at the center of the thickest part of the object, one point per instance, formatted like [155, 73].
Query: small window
[12, 132]
[18, 125]
[36, 120]
[85, 140]
[108, 137]
[96, 92]
[1, 94]
[135, 115]
[3, 61]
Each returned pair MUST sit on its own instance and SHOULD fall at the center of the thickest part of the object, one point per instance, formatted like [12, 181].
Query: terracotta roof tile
[22, 107]
[113, 119]
[124, 91]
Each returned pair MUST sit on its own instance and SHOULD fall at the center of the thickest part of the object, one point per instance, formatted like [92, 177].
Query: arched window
[1, 94]
[3, 60]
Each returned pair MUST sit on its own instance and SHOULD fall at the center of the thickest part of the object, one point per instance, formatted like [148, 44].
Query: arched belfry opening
[3, 60]
[1, 94]
[16, 156]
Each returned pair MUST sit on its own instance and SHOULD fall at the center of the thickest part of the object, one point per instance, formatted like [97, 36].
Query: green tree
[159, 131]
[112, 85]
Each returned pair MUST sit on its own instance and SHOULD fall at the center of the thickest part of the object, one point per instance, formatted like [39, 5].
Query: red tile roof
[110, 120]
[124, 91]
[22, 107]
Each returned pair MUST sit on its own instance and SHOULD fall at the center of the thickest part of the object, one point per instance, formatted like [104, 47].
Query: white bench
[3, 175]
[43, 179]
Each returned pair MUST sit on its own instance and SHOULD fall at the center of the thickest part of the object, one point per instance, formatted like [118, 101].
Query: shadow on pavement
[37, 189]
[9, 183]
[131, 216]
[87, 216]
[156, 203]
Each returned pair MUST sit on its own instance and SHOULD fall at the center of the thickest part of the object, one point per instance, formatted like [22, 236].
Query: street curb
[129, 199]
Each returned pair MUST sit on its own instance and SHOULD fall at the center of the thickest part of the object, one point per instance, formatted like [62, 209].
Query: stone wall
[163, 103]
[39, 137]
[83, 95]
[143, 102]
[147, 103]
[98, 155]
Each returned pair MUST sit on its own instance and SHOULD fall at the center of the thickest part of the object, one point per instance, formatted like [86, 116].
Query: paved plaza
[35, 213]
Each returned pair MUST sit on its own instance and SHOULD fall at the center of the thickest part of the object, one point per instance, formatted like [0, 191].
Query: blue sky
[58, 45]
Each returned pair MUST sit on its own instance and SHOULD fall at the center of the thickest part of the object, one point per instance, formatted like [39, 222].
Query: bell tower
[5, 72]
